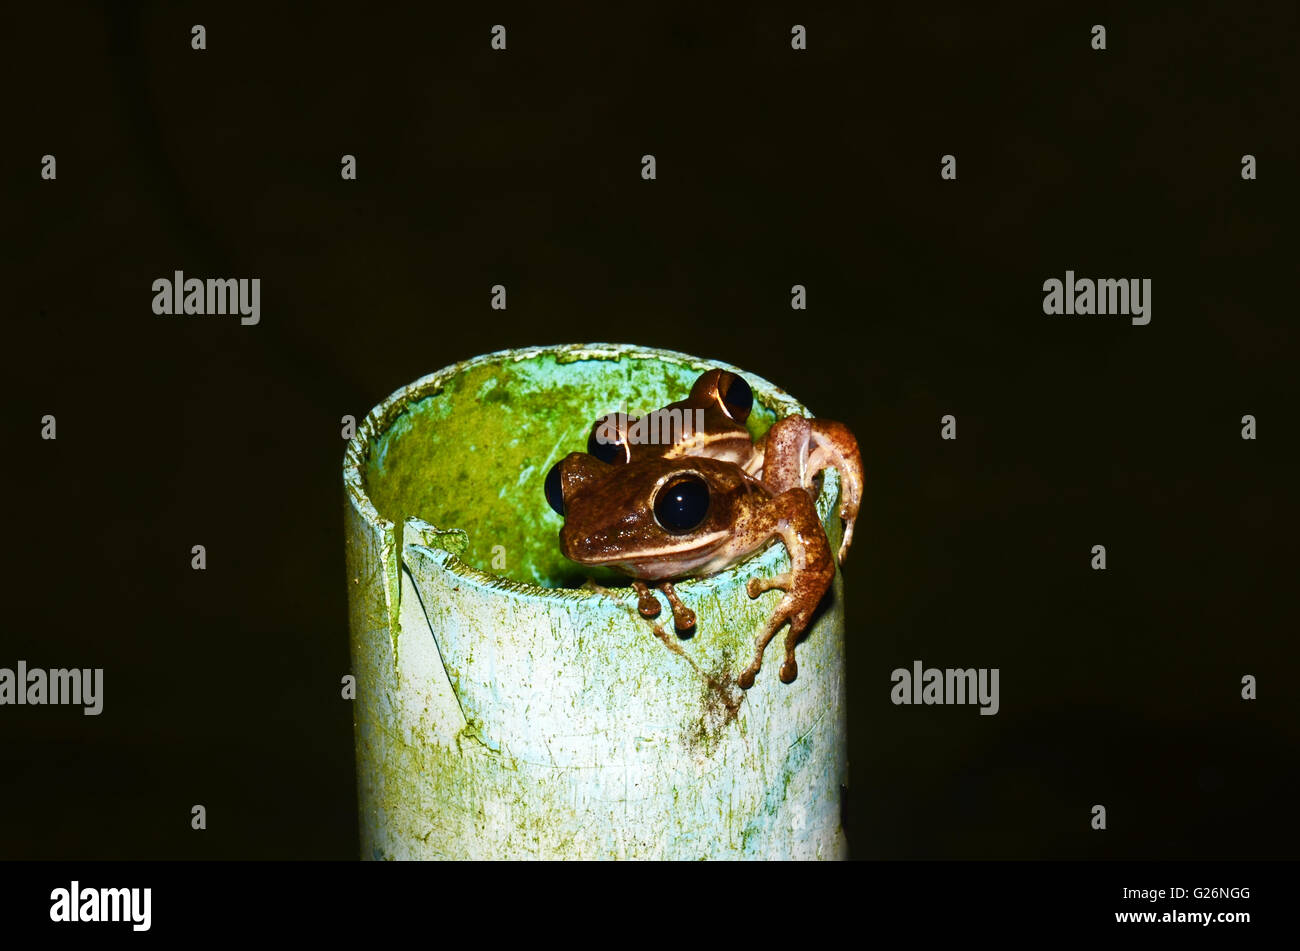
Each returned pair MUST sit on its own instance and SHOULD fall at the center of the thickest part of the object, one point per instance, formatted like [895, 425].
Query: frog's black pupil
[554, 490]
[737, 397]
[682, 504]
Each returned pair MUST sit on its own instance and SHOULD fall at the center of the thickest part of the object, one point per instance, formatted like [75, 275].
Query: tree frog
[685, 492]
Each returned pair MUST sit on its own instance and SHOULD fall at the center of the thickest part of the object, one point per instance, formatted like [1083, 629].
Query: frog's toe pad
[846, 541]
[757, 586]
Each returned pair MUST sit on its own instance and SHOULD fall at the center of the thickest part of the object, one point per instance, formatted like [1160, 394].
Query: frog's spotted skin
[707, 498]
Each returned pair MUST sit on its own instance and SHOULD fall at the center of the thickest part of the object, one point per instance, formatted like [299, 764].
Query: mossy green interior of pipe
[474, 455]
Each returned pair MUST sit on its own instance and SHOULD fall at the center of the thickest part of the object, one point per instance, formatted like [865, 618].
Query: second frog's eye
[737, 398]
[681, 504]
[608, 439]
[729, 390]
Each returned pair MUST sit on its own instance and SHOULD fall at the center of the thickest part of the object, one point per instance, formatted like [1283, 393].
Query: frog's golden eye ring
[555, 490]
[608, 440]
[682, 503]
[729, 390]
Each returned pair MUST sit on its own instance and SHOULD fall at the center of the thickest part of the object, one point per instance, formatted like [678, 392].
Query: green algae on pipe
[504, 712]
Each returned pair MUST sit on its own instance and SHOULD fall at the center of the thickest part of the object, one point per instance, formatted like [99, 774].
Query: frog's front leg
[793, 517]
[795, 450]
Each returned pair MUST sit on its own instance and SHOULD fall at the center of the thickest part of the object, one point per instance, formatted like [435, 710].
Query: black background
[821, 167]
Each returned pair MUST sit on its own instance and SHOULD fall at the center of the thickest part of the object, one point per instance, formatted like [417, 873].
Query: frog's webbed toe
[683, 617]
[847, 540]
[757, 586]
[790, 609]
[793, 518]
[834, 445]
[646, 602]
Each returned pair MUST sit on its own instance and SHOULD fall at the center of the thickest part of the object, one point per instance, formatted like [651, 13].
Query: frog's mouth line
[702, 549]
[684, 561]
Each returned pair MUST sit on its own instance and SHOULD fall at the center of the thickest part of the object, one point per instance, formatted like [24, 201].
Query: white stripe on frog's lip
[693, 444]
[667, 552]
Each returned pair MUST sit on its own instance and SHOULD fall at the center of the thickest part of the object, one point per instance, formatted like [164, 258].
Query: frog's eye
[682, 503]
[728, 390]
[735, 395]
[555, 490]
[608, 440]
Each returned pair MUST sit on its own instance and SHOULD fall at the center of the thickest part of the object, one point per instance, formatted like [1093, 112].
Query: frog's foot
[683, 617]
[646, 603]
[796, 450]
[787, 610]
[792, 517]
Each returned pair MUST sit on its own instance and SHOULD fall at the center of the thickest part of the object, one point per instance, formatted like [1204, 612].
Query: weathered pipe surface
[501, 712]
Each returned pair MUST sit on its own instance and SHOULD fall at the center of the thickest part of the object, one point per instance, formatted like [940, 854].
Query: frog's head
[709, 422]
[653, 519]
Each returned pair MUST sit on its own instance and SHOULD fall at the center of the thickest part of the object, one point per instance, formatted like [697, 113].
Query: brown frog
[684, 492]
